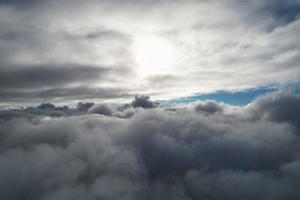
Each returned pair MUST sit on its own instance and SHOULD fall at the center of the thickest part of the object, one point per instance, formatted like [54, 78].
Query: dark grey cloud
[49, 75]
[278, 107]
[166, 80]
[283, 12]
[102, 110]
[97, 34]
[209, 107]
[143, 101]
[273, 13]
[42, 110]
[63, 94]
[155, 154]
[81, 106]
[139, 101]
[40, 83]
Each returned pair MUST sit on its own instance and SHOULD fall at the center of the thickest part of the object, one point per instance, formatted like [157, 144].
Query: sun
[153, 55]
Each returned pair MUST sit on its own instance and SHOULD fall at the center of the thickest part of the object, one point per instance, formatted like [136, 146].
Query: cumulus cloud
[102, 109]
[143, 102]
[81, 106]
[278, 107]
[209, 107]
[157, 153]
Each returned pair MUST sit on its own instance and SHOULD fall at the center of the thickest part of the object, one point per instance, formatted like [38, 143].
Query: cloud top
[210, 151]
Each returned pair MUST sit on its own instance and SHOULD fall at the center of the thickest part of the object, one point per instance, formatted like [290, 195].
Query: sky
[109, 51]
[149, 99]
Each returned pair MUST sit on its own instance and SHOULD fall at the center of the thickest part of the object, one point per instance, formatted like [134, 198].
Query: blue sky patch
[234, 98]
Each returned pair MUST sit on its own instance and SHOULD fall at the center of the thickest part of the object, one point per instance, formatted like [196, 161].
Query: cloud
[143, 102]
[278, 107]
[58, 82]
[209, 107]
[84, 106]
[64, 94]
[246, 40]
[102, 110]
[155, 154]
[49, 76]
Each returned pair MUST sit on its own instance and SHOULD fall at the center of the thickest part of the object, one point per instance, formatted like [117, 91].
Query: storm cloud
[156, 153]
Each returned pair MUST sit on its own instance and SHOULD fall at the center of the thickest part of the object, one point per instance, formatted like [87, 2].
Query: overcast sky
[63, 50]
[149, 100]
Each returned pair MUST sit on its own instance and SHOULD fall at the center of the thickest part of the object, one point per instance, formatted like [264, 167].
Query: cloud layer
[218, 46]
[205, 151]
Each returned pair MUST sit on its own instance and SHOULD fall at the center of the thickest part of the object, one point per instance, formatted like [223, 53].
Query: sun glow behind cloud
[153, 55]
[165, 49]
[213, 115]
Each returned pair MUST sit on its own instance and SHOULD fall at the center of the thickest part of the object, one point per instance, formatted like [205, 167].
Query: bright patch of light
[153, 55]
